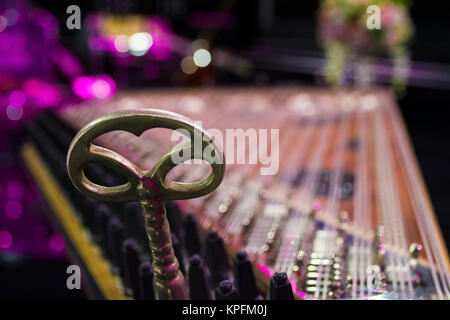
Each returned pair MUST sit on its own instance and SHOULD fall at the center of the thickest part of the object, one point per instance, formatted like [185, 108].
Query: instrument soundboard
[343, 212]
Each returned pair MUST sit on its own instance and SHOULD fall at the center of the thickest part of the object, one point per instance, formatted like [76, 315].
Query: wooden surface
[316, 127]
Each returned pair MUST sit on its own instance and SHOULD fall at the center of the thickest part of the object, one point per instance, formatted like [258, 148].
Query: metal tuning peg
[415, 250]
[150, 187]
[280, 287]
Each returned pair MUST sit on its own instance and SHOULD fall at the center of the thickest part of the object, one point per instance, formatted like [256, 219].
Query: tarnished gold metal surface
[150, 187]
[82, 152]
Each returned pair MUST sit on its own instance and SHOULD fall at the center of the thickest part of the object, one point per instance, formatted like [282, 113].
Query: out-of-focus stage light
[121, 43]
[187, 65]
[6, 239]
[200, 44]
[139, 43]
[17, 98]
[202, 58]
[14, 113]
[12, 16]
[13, 209]
[99, 87]
[56, 242]
[3, 23]
[15, 189]
[41, 94]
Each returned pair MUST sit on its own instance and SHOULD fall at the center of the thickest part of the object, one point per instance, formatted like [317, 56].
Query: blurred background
[125, 45]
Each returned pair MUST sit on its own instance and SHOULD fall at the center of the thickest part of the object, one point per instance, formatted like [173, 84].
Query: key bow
[141, 183]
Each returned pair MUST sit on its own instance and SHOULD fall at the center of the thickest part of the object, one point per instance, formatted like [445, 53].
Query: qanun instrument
[346, 216]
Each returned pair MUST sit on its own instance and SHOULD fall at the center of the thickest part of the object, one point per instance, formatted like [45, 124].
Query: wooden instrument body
[347, 172]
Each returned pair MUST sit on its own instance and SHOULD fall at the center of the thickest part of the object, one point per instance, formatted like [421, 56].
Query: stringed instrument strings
[421, 208]
[311, 140]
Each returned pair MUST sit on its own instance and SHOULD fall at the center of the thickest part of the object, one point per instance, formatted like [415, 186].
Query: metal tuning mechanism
[149, 187]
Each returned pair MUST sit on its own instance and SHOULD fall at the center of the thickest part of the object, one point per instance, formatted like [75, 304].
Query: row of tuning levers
[203, 260]
[119, 233]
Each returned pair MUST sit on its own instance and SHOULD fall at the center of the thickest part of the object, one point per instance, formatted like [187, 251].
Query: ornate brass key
[150, 187]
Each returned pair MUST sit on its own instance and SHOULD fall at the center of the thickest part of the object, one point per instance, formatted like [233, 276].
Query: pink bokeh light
[162, 38]
[15, 189]
[6, 239]
[56, 242]
[99, 87]
[42, 94]
[13, 209]
[17, 98]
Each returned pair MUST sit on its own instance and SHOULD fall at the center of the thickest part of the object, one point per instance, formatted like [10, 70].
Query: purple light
[48, 21]
[17, 98]
[42, 94]
[56, 243]
[162, 38]
[100, 87]
[67, 62]
[15, 54]
[49, 24]
[12, 15]
[95, 42]
[15, 189]
[13, 209]
[93, 21]
[81, 86]
[3, 23]
[14, 113]
[6, 239]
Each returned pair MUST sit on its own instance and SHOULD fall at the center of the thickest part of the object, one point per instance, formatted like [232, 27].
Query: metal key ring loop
[82, 152]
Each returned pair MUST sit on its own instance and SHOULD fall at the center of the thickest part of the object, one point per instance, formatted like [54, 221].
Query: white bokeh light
[202, 58]
[188, 66]
[139, 43]
[121, 43]
[14, 113]
[101, 89]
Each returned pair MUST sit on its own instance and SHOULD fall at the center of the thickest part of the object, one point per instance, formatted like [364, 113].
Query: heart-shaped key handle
[150, 187]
